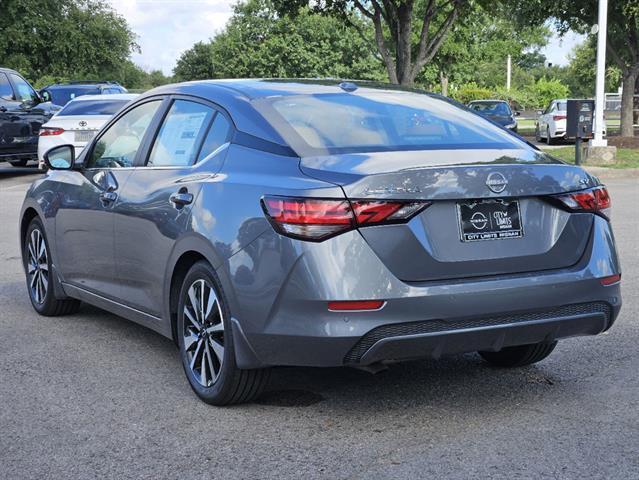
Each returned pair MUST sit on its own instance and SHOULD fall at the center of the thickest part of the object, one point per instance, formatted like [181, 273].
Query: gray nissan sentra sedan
[261, 223]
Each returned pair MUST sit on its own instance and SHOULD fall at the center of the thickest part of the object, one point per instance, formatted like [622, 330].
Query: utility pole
[598, 140]
[508, 72]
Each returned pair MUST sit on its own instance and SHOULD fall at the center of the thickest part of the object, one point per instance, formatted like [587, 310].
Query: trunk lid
[430, 246]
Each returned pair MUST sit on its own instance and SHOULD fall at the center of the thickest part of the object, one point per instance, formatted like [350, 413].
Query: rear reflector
[559, 117]
[611, 280]
[596, 200]
[317, 219]
[355, 305]
[46, 131]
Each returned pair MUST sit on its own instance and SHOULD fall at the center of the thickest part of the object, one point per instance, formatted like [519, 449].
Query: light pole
[598, 140]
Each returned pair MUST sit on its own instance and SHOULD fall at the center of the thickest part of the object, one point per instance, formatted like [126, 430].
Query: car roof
[488, 100]
[259, 88]
[8, 70]
[236, 95]
[88, 85]
[105, 98]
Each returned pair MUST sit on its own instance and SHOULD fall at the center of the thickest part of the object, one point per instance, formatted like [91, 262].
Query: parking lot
[94, 396]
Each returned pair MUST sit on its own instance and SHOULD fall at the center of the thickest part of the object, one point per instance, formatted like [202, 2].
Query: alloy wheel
[203, 332]
[37, 266]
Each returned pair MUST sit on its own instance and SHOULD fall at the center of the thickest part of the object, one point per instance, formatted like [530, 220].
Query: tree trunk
[627, 102]
[443, 78]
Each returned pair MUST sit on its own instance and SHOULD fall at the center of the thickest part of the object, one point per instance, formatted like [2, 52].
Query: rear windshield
[93, 107]
[491, 108]
[380, 121]
[62, 95]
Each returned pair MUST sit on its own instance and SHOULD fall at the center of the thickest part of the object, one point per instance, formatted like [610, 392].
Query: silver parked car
[265, 223]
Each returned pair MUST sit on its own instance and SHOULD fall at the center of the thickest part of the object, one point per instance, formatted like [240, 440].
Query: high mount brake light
[46, 131]
[317, 219]
[595, 200]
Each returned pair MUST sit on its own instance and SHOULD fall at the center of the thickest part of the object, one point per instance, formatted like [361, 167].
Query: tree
[623, 37]
[257, 42]
[63, 38]
[408, 33]
[477, 47]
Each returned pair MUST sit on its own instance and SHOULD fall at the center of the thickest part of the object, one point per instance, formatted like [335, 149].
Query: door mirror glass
[45, 96]
[60, 158]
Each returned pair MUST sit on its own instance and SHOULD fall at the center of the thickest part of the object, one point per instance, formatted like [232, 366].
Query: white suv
[551, 123]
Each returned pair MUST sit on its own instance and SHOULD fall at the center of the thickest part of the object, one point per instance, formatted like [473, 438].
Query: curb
[612, 173]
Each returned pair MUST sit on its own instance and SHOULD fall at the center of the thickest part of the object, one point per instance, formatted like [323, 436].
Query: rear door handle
[181, 198]
[108, 197]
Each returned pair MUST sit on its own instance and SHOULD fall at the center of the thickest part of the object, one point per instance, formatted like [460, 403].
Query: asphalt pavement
[94, 396]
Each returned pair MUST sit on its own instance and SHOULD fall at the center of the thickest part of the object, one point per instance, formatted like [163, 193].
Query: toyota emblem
[496, 182]
[83, 123]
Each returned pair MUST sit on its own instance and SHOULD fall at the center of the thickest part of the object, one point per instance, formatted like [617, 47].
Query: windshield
[63, 95]
[491, 108]
[93, 107]
[379, 121]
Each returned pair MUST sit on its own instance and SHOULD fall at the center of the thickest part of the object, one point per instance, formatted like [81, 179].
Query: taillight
[317, 219]
[596, 200]
[46, 131]
[559, 117]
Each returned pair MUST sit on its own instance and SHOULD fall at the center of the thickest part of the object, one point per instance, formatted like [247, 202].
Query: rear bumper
[279, 294]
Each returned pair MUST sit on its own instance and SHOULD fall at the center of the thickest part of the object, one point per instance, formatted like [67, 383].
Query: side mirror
[61, 157]
[517, 113]
[45, 96]
[540, 112]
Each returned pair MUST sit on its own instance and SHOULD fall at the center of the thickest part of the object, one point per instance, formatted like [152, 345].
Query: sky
[166, 28]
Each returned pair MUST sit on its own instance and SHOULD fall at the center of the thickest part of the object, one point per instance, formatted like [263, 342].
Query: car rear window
[63, 95]
[92, 107]
[491, 108]
[380, 121]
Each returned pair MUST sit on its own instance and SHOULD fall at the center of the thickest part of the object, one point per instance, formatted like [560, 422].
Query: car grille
[434, 326]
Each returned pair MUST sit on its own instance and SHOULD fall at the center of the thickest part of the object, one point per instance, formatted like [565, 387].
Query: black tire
[39, 273]
[537, 134]
[229, 384]
[549, 139]
[19, 163]
[519, 356]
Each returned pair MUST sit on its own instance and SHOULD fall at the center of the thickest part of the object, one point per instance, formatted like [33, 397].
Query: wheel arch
[186, 253]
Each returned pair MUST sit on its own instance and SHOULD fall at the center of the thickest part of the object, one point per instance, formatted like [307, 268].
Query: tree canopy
[257, 42]
[64, 38]
[622, 38]
[408, 33]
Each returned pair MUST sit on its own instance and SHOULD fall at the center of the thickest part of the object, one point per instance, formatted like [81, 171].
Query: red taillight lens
[611, 280]
[559, 117]
[46, 131]
[317, 219]
[355, 305]
[596, 200]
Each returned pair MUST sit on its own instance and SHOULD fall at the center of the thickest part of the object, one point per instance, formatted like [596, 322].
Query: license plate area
[84, 135]
[489, 220]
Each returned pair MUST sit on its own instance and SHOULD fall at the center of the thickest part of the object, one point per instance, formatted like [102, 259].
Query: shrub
[471, 91]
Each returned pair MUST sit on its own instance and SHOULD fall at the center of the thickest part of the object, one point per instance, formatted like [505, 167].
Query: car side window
[216, 136]
[118, 146]
[24, 92]
[181, 134]
[6, 92]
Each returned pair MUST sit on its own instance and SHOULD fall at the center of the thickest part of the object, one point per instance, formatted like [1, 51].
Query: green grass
[626, 157]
